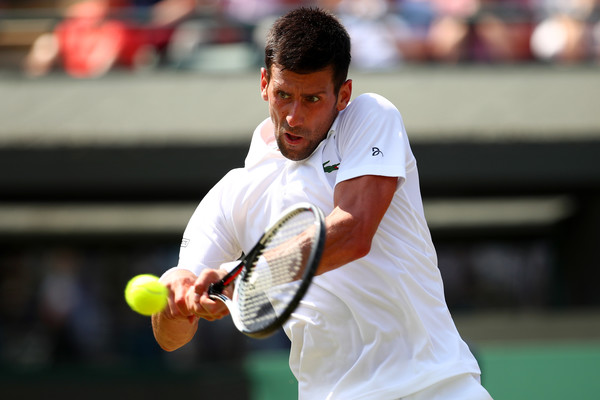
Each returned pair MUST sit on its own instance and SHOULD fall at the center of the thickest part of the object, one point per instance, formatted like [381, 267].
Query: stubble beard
[296, 154]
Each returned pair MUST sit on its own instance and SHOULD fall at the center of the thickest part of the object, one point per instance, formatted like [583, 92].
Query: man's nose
[295, 116]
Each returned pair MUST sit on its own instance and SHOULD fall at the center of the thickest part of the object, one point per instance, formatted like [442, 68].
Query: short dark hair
[307, 40]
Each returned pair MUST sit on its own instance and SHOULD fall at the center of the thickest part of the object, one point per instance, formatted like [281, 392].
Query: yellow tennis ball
[146, 295]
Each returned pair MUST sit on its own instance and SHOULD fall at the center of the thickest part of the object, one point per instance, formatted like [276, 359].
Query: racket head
[277, 272]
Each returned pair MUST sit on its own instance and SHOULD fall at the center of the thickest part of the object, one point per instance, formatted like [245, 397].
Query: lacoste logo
[330, 168]
[376, 152]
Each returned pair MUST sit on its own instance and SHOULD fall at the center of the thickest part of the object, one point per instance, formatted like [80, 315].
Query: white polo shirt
[376, 328]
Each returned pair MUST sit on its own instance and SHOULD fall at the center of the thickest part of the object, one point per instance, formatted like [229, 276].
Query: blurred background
[116, 117]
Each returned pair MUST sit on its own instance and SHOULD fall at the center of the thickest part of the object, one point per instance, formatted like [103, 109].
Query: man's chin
[294, 155]
[295, 150]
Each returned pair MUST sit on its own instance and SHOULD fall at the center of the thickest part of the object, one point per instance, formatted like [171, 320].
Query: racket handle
[216, 288]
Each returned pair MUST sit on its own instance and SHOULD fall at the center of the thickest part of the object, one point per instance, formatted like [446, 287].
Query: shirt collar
[333, 127]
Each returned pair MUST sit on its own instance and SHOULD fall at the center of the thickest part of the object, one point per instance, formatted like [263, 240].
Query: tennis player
[374, 323]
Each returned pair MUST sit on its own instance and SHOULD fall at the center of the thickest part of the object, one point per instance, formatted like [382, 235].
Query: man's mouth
[292, 138]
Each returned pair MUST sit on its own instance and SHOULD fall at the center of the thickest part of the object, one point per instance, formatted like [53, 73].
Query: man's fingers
[205, 307]
[188, 298]
[177, 306]
[178, 282]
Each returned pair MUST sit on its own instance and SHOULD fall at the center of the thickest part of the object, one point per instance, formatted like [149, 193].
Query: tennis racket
[273, 277]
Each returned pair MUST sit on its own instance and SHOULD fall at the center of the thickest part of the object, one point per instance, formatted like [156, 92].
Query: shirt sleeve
[372, 140]
[209, 239]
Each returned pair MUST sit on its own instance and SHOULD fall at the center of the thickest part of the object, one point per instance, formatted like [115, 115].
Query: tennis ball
[146, 295]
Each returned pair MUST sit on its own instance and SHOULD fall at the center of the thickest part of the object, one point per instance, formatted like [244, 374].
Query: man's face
[302, 108]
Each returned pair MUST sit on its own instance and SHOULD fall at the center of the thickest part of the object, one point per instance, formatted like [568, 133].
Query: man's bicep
[366, 197]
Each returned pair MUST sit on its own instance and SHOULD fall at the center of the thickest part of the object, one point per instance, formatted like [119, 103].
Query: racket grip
[215, 288]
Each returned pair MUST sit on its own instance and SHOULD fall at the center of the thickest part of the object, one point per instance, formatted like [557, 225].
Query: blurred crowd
[93, 36]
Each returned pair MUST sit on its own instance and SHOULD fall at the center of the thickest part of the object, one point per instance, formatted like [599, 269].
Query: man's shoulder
[367, 106]
[371, 100]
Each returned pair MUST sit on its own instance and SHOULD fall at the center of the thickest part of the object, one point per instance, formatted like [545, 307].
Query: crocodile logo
[330, 168]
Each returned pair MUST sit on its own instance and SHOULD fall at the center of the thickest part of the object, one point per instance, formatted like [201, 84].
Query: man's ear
[344, 95]
[264, 83]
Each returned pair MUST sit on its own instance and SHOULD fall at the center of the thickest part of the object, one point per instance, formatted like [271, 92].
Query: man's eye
[312, 99]
[284, 95]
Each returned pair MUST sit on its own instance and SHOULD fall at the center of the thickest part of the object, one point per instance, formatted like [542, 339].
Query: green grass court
[542, 371]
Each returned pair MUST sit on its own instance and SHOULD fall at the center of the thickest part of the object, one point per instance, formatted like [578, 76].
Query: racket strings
[270, 286]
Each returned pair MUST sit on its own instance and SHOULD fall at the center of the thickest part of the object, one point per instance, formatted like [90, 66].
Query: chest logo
[376, 152]
[330, 168]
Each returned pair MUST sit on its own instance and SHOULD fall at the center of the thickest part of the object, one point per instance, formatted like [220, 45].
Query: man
[374, 323]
